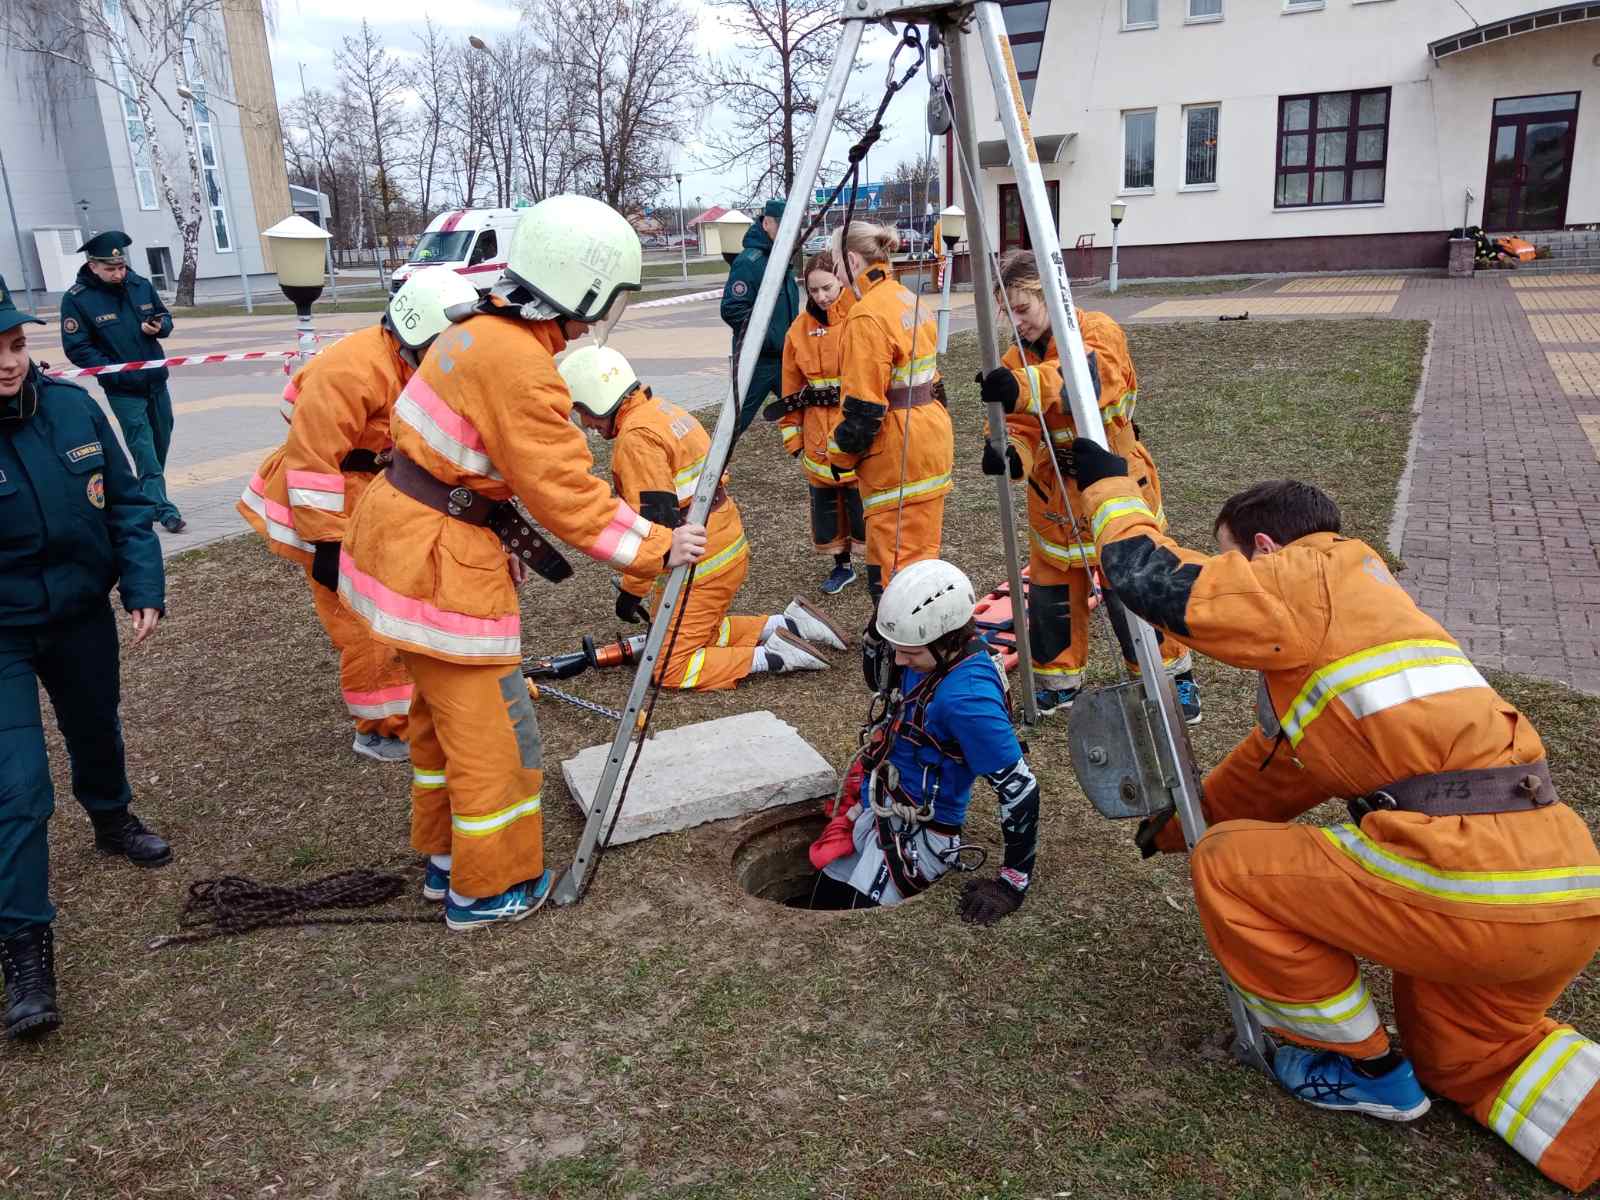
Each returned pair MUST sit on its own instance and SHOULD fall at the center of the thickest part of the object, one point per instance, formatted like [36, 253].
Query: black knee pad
[1049, 620]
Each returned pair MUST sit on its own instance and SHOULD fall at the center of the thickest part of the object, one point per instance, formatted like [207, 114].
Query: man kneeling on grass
[897, 829]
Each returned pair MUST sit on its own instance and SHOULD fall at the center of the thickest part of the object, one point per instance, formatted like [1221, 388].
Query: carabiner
[911, 37]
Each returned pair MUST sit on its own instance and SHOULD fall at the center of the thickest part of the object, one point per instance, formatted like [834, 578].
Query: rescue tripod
[1130, 744]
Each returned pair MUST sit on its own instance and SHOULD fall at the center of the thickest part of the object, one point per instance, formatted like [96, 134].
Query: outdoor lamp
[1118, 210]
[952, 226]
[730, 227]
[299, 251]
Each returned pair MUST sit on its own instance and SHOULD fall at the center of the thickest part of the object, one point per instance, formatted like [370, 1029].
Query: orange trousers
[920, 526]
[1287, 924]
[714, 647]
[1058, 626]
[475, 773]
[376, 688]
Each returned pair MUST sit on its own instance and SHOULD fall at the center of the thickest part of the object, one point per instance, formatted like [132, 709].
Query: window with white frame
[206, 144]
[1290, 6]
[1139, 150]
[1139, 14]
[1200, 123]
[1203, 10]
[144, 173]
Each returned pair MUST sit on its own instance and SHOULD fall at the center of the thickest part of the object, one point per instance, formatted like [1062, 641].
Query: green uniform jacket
[73, 522]
[100, 325]
[739, 293]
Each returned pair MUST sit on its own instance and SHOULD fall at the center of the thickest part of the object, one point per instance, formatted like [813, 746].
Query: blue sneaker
[841, 577]
[1052, 700]
[516, 902]
[1188, 697]
[435, 881]
[1328, 1080]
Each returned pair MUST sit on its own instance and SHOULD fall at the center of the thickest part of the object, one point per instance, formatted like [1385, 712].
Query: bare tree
[433, 81]
[469, 114]
[144, 51]
[374, 83]
[634, 79]
[768, 88]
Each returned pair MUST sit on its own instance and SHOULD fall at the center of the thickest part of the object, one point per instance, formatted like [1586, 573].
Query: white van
[472, 240]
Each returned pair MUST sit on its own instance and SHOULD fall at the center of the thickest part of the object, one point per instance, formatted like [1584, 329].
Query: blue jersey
[967, 709]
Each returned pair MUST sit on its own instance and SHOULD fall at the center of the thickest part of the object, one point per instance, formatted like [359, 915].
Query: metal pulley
[1119, 761]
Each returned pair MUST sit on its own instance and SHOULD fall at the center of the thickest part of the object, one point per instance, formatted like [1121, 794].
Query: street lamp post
[477, 43]
[1118, 210]
[298, 250]
[952, 228]
[188, 94]
[683, 240]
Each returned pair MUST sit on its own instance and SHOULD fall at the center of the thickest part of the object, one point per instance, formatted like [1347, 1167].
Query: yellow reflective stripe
[686, 479]
[910, 491]
[722, 559]
[494, 822]
[825, 381]
[691, 677]
[1058, 676]
[1345, 1017]
[1071, 554]
[1536, 1102]
[1381, 677]
[1034, 404]
[427, 779]
[1117, 506]
[823, 469]
[1545, 885]
[725, 632]
[1121, 408]
[790, 433]
[918, 370]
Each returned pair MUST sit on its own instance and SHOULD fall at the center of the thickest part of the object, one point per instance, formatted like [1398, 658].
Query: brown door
[1530, 162]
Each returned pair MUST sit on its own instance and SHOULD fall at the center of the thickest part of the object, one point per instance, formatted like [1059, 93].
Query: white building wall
[1092, 70]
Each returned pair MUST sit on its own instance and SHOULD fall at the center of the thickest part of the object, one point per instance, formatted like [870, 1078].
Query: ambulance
[472, 240]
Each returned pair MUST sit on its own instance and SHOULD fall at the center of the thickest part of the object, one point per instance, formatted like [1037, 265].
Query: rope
[234, 905]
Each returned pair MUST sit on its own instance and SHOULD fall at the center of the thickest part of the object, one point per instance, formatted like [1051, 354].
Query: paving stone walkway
[1499, 519]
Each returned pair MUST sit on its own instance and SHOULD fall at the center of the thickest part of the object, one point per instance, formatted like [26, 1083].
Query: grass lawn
[674, 268]
[671, 1036]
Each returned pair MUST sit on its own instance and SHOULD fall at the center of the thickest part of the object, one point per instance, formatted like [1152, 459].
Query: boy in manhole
[945, 724]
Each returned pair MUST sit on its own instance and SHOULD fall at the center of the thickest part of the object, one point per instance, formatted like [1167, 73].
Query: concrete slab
[709, 771]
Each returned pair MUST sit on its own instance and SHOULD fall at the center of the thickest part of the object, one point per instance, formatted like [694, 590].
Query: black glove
[1000, 387]
[1091, 464]
[325, 564]
[631, 608]
[985, 901]
[992, 464]
[1145, 836]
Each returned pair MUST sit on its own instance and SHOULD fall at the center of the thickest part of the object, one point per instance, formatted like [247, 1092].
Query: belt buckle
[459, 501]
[384, 457]
[1363, 806]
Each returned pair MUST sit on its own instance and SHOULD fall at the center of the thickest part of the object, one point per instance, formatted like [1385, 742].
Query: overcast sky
[309, 32]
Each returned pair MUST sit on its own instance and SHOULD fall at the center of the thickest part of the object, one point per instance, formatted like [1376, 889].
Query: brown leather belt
[366, 462]
[916, 397]
[1465, 793]
[515, 532]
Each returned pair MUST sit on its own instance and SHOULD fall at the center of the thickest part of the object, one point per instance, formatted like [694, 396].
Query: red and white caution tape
[190, 360]
[692, 298]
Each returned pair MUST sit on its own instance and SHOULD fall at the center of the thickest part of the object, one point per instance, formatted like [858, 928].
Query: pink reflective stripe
[291, 392]
[452, 221]
[423, 625]
[449, 421]
[271, 508]
[499, 266]
[274, 516]
[316, 482]
[619, 542]
[383, 696]
[390, 702]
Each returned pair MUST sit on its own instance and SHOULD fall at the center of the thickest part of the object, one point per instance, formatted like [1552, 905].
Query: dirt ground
[671, 1036]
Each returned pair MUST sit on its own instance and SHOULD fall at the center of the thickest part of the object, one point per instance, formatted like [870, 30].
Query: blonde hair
[1019, 272]
[875, 243]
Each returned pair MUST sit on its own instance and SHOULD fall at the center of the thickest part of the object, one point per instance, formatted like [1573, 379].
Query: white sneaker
[382, 749]
[786, 652]
[810, 624]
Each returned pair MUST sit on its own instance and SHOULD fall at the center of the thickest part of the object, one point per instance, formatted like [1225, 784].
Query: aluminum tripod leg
[989, 355]
[570, 887]
[1251, 1044]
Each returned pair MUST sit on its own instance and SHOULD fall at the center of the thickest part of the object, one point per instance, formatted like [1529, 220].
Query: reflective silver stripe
[1117, 506]
[692, 675]
[918, 370]
[1034, 404]
[722, 558]
[910, 491]
[686, 479]
[413, 414]
[276, 530]
[308, 498]
[1346, 1018]
[847, 475]
[376, 712]
[1381, 677]
[1537, 1101]
[1548, 885]
[424, 636]
[427, 779]
[494, 822]
[1072, 554]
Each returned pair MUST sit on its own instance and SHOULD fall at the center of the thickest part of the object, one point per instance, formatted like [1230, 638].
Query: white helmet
[576, 255]
[924, 602]
[599, 379]
[426, 303]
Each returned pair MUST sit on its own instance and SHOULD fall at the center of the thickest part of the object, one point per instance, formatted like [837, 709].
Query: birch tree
[373, 83]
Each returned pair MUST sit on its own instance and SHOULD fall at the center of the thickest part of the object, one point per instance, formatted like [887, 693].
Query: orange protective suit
[1060, 556]
[811, 353]
[892, 430]
[486, 411]
[1484, 919]
[656, 461]
[338, 403]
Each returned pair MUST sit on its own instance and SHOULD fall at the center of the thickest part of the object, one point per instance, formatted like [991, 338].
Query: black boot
[120, 832]
[29, 960]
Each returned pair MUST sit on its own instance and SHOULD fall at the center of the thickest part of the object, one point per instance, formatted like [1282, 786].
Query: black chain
[234, 905]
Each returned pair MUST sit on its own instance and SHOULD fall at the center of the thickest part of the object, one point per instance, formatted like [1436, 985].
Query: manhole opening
[771, 861]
